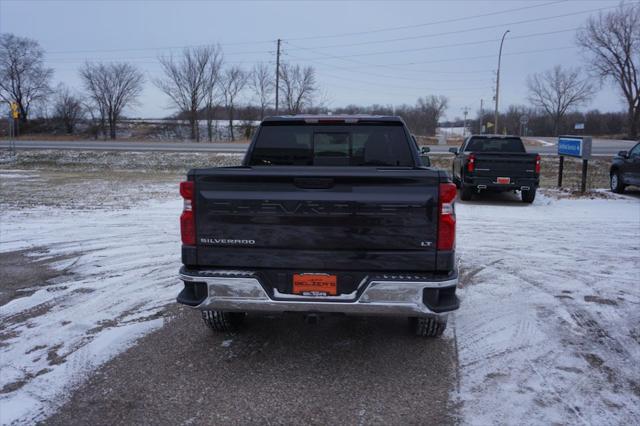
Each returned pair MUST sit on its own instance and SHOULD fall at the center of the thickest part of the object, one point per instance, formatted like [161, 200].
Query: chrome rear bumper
[230, 291]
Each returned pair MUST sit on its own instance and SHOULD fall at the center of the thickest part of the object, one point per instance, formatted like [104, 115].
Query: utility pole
[277, 74]
[465, 111]
[481, 117]
[495, 118]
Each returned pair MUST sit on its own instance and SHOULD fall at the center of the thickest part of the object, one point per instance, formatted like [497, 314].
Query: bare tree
[67, 108]
[262, 84]
[298, 87]
[612, 41]
[233, 82]
[431, 109]
[23, 77]
[112, 87]
[186, 81]
[212, 88]
[557, 90]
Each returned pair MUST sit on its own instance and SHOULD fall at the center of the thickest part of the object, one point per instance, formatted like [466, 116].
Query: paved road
[600, 146]
[129, 146]
[279, 370]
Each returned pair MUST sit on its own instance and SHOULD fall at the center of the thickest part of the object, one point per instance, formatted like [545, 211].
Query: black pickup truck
[495, 163]
[327, 214]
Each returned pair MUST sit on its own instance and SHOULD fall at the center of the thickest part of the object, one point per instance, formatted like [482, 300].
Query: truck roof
[353, 118]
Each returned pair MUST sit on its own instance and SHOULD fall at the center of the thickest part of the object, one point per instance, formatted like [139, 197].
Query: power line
[370, 83]
[440, 34]
[138, 49]
[376, 94]
[522, 52]
[141, 49]
[349, 58]
[444, 21]
[338, 67]
[355, 33]
[125, 58]
[442, 46]
[462, 58]
[396, 77]
[329, 56]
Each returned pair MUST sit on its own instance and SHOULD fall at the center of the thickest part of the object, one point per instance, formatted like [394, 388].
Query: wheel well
[613, 169]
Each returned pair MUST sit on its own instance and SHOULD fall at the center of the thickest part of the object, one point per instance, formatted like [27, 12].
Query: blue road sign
[570, 146]
[574, 146]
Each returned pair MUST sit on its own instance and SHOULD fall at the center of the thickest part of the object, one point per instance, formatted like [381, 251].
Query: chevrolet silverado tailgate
[509, 165]
[320, 218]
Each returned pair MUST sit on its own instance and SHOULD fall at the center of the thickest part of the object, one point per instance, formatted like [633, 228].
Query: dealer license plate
[315, 284]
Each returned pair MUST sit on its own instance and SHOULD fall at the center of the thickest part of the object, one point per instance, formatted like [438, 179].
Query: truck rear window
[331, 145]
[495, 145]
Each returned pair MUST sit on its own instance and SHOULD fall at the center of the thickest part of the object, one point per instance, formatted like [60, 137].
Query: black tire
[427, 326]
[223, 321]
[466, 193]
[615, 182]
[528, 195]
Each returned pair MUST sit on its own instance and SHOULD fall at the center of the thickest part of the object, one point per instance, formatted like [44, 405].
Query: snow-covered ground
[119, 268]
[549, 329]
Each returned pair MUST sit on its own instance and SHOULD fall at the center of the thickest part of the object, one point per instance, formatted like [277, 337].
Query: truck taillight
[538, 164]
[187, 218]
[446, 217]
[471, 163]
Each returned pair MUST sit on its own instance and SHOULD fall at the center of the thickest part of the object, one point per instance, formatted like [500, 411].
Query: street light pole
[481, 118]
[277, 75]
[495, 118]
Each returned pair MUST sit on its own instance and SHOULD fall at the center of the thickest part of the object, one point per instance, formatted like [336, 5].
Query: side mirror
[426, 161]
[424, 150]
[454, 150]
[623, 154]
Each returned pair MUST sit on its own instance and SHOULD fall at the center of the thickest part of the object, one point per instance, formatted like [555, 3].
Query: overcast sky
[384, 52]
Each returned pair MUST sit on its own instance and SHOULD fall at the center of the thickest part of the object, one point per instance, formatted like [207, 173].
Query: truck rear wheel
[428, 327]
[528, 195]
[223, 321]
